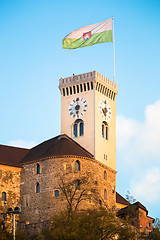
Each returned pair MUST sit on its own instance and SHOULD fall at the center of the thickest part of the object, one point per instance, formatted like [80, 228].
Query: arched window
[105, 194]
[37, 187]
[78, 128]
[4, 196]
[56, 193]
[77, 165]
[104, 130]
[105, 175]
[38, 168]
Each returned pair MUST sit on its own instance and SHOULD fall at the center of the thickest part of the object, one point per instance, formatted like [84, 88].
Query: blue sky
[32, 61]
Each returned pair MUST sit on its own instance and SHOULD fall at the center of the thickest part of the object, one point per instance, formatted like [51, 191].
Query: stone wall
[10, 184]
[39, 207]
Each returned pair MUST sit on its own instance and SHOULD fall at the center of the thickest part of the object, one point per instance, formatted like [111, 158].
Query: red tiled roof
[61, 145]
[11, 156]
[121, 200]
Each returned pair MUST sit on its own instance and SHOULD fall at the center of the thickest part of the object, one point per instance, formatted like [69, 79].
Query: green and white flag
[89, 35]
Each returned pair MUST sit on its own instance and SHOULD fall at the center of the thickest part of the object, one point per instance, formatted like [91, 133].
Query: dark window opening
[38, 168]
[37, 188]
[88, 86]
[4, 198]
[63, 92]
[77, 89]
[67, 91]
[77, 165]
[70, 90]
[84, 87]
[56, 193]
[81, 88]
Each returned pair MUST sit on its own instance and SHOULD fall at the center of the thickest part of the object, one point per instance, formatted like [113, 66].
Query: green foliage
[4, 233]
[88, 225]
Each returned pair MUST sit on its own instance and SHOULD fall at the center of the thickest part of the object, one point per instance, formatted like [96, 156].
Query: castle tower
[88, 114]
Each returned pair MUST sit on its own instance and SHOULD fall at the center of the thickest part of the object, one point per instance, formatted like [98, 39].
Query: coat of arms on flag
[86, 35]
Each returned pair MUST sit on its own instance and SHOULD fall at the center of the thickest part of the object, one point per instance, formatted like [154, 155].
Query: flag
[89, 35]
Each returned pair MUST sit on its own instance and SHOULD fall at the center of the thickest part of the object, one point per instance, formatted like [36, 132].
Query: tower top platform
[87, 77]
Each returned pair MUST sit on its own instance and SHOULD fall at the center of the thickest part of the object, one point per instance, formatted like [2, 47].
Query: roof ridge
[70, 139]
[14, 147]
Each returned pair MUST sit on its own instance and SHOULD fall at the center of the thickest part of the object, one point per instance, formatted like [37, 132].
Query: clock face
[77, 107]
[105, 110]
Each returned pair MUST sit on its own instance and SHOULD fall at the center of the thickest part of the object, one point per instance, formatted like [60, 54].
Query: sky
[32, 61]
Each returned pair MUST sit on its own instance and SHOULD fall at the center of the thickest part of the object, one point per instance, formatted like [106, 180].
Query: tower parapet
[87, 77]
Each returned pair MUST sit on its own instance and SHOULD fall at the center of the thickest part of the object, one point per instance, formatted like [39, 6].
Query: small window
[77, 165]
[67, 91]
[81, 129]
[104, 130]
[74, 89]
[75, 133]
[77, 88]
[70, 90]
[105, 175]
[4, 198]
[88, 86]
[38, 168]
[56, 193]
[77, 185]
[105, 194]
[91, 85]
[84, 87]
[63, 92]
[81, 88]
[37, 188]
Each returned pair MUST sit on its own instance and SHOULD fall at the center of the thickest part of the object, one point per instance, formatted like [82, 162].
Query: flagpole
[113, 47]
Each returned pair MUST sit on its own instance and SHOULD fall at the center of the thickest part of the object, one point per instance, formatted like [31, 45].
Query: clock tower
[88, 114]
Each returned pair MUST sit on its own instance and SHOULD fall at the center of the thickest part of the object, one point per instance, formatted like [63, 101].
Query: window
[81, 129]
[70, 90]
[77, 185]
[37, 188]
[105, 175]
[104, 130]
[56, 193]
[78, 128]
[75, 130]
[77, 165]
[63, 92]
[67, 91]
[4, 196]
[38, 168]
[105, 194]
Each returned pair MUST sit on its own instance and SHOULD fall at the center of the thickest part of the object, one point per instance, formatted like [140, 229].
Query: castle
[86, 147]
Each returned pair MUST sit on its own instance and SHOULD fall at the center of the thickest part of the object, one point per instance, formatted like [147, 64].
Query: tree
[81, 188]
[4, 233]
[130, 198]
[90, 224]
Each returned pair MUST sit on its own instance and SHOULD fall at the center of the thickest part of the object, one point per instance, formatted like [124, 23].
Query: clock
[105, 110]
[77, 107]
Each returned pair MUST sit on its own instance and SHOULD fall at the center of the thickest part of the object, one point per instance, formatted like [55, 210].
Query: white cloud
[140, 140]
[22, 143]
[148, 187]
[138, 154]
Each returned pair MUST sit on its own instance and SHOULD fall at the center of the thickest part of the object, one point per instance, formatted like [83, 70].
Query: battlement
[87, 77]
